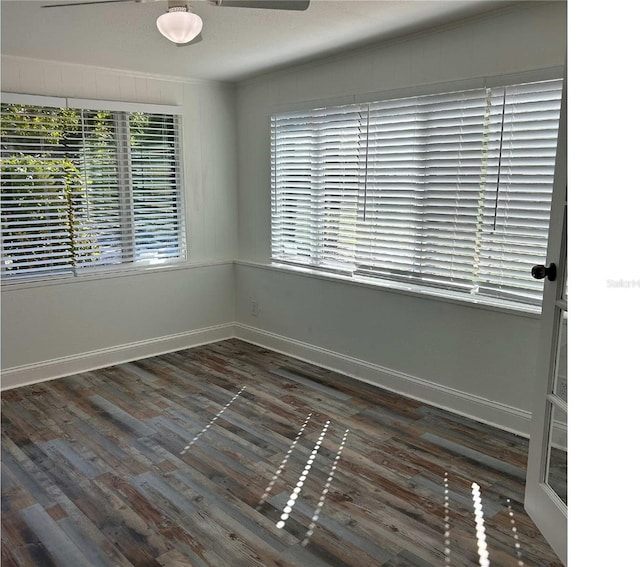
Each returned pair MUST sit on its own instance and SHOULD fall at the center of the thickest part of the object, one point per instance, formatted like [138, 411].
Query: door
[546, 487]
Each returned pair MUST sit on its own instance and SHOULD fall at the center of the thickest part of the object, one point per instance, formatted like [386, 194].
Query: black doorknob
[540, 272]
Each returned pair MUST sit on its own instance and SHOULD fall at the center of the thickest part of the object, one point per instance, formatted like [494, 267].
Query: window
[449, 192]
[84, 188]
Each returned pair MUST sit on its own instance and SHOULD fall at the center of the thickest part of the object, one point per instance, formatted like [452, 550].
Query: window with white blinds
[450, 191]
[84, 188]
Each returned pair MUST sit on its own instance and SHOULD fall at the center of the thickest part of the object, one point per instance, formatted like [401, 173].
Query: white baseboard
[462, 403]
[65, 366]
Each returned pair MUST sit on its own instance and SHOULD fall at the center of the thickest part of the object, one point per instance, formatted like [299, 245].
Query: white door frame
[545, 507]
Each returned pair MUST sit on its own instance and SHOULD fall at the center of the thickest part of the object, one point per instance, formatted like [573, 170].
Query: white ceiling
[237, 42]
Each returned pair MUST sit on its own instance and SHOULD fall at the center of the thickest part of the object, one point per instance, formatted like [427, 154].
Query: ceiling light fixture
[179, 24]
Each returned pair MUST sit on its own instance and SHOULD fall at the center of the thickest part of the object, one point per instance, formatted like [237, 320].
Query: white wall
[470, 359]
[45, 325]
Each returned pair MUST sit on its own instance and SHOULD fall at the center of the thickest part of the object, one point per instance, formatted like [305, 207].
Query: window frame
[132, 266]
[409, 285]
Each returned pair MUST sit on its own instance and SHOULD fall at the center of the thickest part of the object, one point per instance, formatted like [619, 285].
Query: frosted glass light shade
[179, 25]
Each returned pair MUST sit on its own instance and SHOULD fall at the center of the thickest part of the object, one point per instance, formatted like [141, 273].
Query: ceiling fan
[184, 27]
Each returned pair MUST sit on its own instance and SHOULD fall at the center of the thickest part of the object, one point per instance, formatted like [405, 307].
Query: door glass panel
[560, 372]
[557, 461]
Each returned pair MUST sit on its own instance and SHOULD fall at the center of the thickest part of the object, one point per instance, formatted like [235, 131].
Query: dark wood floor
[231, 455]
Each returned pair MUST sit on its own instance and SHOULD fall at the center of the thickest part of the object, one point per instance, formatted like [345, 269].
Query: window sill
[106, 273]
[462, 300]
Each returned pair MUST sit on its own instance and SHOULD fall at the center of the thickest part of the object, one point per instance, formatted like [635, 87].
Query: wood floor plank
[8, 559]
[61, 548]
[305, 467]
[11, 463]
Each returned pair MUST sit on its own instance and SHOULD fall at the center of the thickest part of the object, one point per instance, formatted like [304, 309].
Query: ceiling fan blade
[265, 4]
[88, 2]
[195, 40]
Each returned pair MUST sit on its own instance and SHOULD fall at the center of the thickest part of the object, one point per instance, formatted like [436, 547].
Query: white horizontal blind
[317, 169]
[99, 235]
[424, 185]
[155, 172]
[515, 218]
[83, 188]
[37, 183]
[450, 191]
